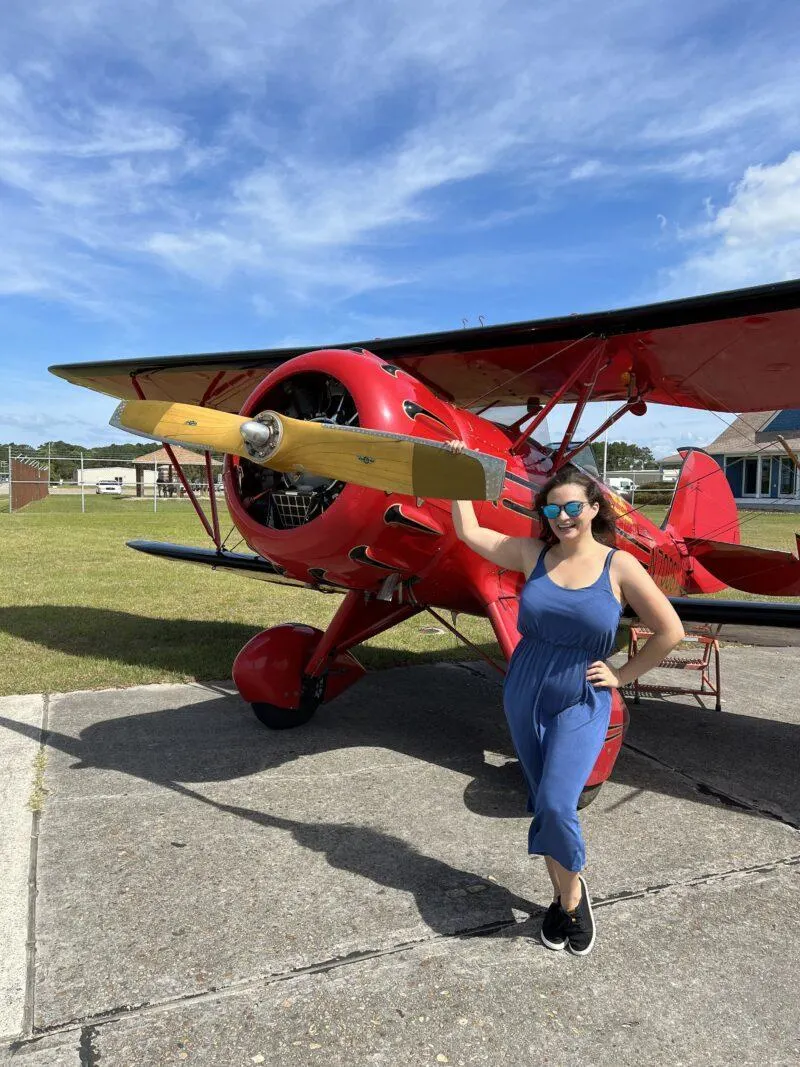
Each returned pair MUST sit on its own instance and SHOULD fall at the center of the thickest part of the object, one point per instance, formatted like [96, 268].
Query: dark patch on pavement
[763, 636]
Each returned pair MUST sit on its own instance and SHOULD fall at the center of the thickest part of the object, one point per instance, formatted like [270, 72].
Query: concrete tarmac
[199, 889]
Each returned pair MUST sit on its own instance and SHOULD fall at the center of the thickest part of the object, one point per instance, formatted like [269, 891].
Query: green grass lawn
[79, 610]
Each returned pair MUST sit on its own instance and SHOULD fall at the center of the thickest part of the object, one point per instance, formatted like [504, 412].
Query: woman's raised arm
[507, 552]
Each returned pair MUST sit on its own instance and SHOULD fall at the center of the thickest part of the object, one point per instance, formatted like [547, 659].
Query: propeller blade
[182, 424]
[373, 458]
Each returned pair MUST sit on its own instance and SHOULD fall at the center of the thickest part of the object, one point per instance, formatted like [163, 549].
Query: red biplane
[394, 553]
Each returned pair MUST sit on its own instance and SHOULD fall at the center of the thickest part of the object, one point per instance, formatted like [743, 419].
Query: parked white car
[108, 487]
[621, 485]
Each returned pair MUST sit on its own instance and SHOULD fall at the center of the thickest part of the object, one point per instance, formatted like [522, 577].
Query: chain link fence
[641, 487]
[82, 483]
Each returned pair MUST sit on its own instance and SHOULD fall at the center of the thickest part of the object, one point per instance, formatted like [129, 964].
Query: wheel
[283, 718]
[588, 795]
[313, 690]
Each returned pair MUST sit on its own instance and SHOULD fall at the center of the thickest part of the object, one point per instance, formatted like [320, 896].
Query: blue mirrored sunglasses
[573, 508]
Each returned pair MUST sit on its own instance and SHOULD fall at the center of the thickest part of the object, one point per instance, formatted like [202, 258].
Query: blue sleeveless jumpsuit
[558, 720]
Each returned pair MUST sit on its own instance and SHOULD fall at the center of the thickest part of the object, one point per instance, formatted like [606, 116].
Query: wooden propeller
[374, 458]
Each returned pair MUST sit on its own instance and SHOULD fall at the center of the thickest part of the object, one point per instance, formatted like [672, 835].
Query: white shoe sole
[590, 946]
[556, 946]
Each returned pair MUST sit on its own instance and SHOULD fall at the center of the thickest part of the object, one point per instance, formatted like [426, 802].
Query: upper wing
[734, 351]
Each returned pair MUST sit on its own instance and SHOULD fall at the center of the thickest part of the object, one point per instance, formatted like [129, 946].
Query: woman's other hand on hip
[602, 675]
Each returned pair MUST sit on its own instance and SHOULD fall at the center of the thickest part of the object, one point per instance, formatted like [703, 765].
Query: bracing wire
[528, 370]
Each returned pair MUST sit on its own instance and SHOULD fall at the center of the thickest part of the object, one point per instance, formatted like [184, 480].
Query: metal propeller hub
[284, 501]
[262, 435]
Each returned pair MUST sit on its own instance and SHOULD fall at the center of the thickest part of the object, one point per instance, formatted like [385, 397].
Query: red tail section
[754, 570]
[704, 515]
[703, 505]
[703, 509]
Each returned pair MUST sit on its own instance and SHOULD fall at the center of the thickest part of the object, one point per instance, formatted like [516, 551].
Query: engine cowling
[327, 532]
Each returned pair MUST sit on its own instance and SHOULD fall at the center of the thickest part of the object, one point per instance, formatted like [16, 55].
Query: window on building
[786, 484]
[766, 473]
[750, 476]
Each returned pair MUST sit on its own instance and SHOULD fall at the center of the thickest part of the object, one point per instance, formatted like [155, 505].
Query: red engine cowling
[325, 532]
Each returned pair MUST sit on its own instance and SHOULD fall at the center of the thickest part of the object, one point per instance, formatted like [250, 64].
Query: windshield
[584, 458]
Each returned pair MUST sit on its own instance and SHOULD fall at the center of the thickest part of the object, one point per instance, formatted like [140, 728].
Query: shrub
[654, 493]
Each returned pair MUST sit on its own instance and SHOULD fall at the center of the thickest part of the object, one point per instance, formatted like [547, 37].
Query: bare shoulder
[626, 565]
[633, 577]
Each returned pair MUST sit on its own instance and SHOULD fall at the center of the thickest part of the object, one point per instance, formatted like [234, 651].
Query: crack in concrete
[90, 1025]
[728, 799]
[33, 887]
[697, 880]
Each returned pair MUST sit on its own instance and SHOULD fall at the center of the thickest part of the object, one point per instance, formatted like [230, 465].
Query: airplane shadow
[443, 893]
[164, 644]
[189, 744]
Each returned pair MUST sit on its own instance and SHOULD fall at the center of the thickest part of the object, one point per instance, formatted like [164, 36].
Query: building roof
[184, 456]
[748, 434]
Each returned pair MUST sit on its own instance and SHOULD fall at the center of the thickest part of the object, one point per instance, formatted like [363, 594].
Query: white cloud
[36, 410]
[591, 168]
[292, 144]
[752, 239]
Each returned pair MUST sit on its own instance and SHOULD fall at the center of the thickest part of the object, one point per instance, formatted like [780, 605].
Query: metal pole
[155, 486]
[10, 505]
[605, 447]
[83, 487]
[48, 466]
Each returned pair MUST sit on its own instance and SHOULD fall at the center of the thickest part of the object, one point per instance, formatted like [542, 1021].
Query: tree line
[624, 457]
[69, 455]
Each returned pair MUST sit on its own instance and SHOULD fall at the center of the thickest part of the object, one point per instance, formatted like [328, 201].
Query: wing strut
[466, 640]
[590, 363]
[211, 528]
[591, 366]
[586, 390]
[635, 405]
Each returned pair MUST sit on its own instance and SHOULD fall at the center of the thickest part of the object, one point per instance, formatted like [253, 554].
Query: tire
[588, 795]
[283, 718]
[313, 692]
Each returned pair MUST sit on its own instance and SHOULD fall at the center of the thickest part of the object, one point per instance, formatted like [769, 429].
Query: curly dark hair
[603, 524]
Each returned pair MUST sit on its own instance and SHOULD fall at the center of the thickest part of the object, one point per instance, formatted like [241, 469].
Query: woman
[557, 692]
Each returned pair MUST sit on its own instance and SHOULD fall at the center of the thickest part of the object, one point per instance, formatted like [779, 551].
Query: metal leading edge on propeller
[373, 458]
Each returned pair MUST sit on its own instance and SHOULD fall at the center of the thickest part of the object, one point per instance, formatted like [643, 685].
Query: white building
[126, 476]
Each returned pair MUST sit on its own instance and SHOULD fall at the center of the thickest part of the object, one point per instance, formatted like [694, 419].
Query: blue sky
[182, 175]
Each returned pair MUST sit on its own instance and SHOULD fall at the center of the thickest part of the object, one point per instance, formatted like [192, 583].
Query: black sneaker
[579, 925]
[552, 932]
